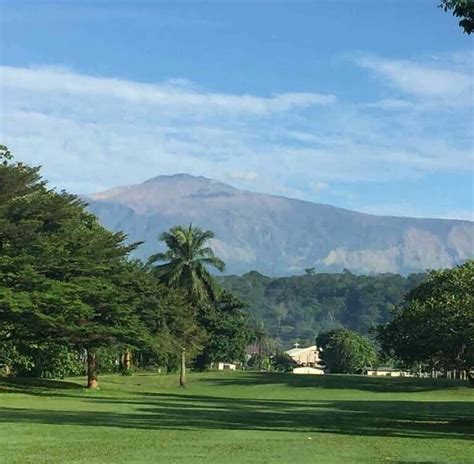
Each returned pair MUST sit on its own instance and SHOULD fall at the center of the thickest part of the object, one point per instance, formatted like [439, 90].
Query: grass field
[235, 417]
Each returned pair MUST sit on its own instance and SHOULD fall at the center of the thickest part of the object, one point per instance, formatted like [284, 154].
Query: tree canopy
[297, 308]
[463, 9]
[187, 257]
[67, 283]
[346, 352]
[435, 326]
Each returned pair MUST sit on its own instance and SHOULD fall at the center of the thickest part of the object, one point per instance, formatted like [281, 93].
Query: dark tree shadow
[347, 382]
[192, 412]
[32, 385]
[187, 411]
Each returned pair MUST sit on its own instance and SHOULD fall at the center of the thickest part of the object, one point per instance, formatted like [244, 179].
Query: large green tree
[227, 328]
[346, 352]
[435, 325]
[187, 258]
[61, 273]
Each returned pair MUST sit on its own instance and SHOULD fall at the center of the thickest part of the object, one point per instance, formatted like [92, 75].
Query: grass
[236, 417]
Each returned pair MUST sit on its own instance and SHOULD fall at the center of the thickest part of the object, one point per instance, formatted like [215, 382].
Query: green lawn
[234, 417]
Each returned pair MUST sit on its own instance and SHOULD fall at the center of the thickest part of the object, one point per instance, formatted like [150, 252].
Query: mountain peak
[182, 176]
[277, 235]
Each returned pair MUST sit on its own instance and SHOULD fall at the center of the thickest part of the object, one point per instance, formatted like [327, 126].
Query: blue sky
[366, 105]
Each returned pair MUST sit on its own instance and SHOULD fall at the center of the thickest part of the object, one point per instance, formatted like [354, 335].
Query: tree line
[295, 309]
[71, 295]
[73, 302]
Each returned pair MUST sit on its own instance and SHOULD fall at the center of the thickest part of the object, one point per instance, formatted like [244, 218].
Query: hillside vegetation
[295, 309]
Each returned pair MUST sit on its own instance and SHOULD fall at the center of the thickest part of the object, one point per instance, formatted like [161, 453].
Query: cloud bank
[92, 132]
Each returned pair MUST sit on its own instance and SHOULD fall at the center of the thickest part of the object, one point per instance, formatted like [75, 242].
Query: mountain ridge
[278, 235]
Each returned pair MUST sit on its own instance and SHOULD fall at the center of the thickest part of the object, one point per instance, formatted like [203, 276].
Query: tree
[283, 362]
[435, 325]
[461, 9]
[298, 307]
[187, 258]
[168, 317]
[227, 328]
[346, 352]
[61, 273]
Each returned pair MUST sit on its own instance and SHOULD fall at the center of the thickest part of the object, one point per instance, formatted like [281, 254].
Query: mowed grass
[237, 417]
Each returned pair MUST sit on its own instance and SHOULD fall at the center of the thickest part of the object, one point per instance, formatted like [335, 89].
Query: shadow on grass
[416, 419]
[32, 385]
[187, 411]
[346, 382]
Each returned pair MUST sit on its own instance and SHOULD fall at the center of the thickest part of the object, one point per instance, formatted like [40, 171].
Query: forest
[296, 309]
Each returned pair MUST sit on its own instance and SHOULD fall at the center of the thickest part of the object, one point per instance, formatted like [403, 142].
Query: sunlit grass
[235, 417]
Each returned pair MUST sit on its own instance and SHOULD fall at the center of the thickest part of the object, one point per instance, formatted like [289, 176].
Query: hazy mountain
[280, 236]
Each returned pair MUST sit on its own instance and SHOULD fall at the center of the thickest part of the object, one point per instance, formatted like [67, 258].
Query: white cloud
[423, 78]
[467, 214]
[171, 94]
[408, 210]
[241, 175]
[391, 104]
[91, 133]
[318, 186]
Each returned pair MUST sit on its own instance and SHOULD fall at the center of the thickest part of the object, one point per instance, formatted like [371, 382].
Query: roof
[391, 369]
[300, 350]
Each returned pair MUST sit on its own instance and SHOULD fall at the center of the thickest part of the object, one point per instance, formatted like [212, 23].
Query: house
[309, 370]
[386, 372]
[221, 366]
[305, 357]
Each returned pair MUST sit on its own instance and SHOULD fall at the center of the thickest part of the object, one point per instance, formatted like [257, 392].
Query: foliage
[461, 9]
[282, 362]
[295, 309]
[260, 361]
[67, 281]
[346, 352]
[168, 317]
[49, 360]
[187, 257]
[227, 328]
[435, 326]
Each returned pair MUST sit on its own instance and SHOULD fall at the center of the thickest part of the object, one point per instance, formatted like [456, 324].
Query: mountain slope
[280, 236]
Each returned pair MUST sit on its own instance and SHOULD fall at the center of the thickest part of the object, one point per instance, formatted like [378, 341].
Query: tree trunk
[127, 360]
[470, 377]
[92, 369]
[182, 373]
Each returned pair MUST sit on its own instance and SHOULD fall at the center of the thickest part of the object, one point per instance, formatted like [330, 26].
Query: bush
[283, 362]
[49, 361]
[346, 352]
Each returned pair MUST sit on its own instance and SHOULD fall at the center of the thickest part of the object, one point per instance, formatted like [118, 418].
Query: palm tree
[185, 267]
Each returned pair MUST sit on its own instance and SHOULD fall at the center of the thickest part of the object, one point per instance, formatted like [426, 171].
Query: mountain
[280, 236]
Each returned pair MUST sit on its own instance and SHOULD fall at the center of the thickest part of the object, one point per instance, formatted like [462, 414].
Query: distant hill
[281, 236]
[297, 308]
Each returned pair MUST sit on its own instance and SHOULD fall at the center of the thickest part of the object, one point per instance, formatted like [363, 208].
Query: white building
[221, 366]
[309, 370]
[387, 372]
[307, 360]
[308, 356]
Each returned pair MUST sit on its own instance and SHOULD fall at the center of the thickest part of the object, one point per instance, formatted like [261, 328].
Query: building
[221, 366]
[309, 370]
[305, 357]
[387, 372]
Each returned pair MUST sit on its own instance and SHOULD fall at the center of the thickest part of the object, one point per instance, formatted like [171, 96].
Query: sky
[362, 104]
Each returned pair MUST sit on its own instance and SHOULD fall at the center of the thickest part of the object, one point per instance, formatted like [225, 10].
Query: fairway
[236, 417]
